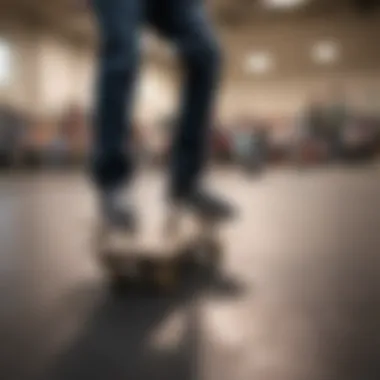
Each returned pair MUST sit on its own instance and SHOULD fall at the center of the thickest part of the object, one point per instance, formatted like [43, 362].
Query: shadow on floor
[115, 341]
[353, 350]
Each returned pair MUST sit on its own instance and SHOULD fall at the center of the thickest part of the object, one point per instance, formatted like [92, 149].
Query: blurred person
[72, 120]
[337, 118]
[220, 143]
[13, 127]
[138, 140]
[314, 120]
[185, 23]
[241, 142]
[58, 151]
[311, 127]
[259, 137]
[248, 144]
[70, 132]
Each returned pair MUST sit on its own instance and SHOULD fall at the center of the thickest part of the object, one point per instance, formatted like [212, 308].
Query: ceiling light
[259, 63]
[283, 4]
[5, 62]
[325, 52]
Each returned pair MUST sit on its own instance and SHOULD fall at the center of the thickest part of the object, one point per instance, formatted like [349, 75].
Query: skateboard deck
[161, 250]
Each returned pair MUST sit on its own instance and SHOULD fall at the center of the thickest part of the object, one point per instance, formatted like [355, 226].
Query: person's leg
[118, 24]
[185, 23]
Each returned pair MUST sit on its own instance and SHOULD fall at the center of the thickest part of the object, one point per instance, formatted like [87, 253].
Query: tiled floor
[301, 302]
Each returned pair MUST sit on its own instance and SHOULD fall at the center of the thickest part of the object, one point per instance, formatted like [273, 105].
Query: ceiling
[245, 26]
[72, 16]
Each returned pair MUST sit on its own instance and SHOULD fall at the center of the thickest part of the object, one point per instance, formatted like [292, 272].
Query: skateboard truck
[186, 239]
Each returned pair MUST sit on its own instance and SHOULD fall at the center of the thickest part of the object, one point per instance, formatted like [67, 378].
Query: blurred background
[301, 80]
[301, 90]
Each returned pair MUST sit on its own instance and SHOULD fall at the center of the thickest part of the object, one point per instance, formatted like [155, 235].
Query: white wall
[286, 97]
[55, 75]
[39, 79]
[47, 74]
[155, 95]
[295, 76]
[21, 87]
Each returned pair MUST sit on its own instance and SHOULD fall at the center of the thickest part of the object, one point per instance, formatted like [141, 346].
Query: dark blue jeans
[185, 24]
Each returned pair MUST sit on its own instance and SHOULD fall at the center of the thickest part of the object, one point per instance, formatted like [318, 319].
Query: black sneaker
[208, 205]
[115, 212]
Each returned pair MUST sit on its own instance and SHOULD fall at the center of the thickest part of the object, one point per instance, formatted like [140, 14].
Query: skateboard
[185, 241]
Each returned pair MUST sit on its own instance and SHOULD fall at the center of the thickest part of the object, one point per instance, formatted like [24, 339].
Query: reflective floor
[298, 299]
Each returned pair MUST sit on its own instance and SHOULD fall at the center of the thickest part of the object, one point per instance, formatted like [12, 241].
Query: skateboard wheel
[117, 282]
[166, 277]
[212, 252]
